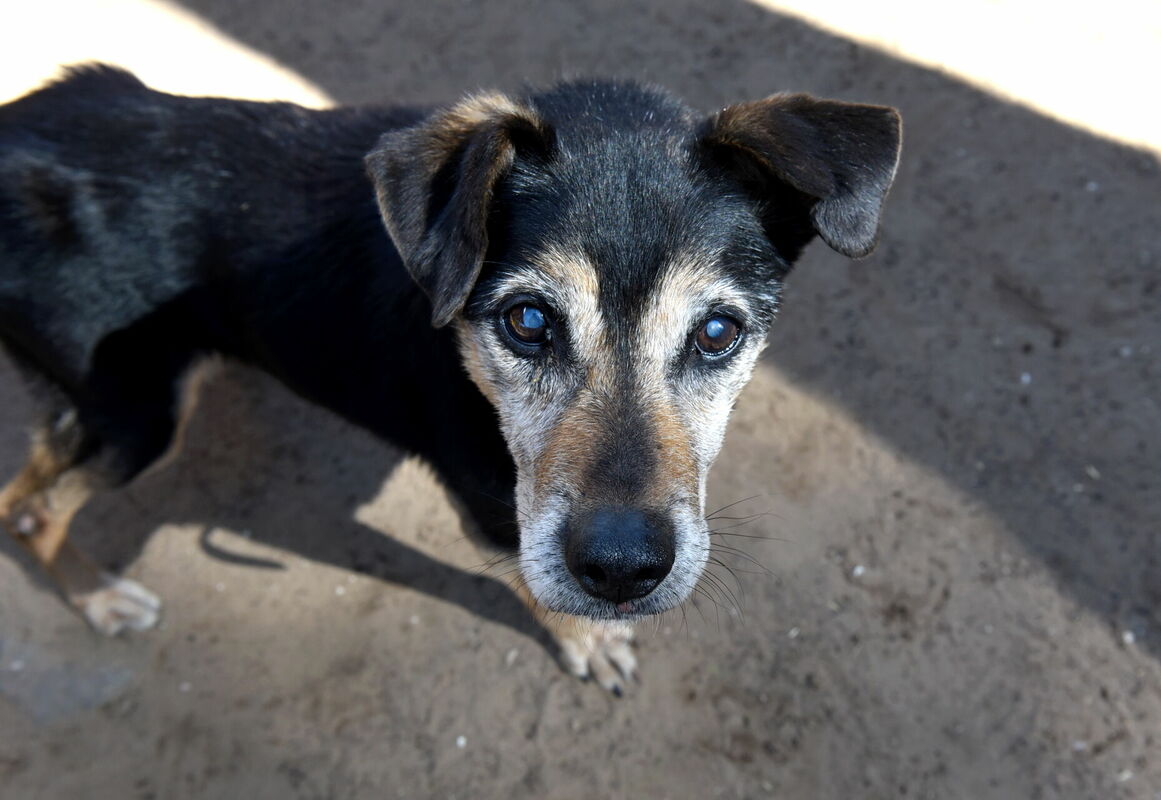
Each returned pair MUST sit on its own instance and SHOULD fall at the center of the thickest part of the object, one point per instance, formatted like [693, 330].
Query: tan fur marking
[452, 127]
[480, 108]
[688, 286]
[676, 466]
[40, 519]
[38, 506]
[33, 508]
[39, 503]
[576, 279]
[474, 363]
[570, 446]
[40, 470]
[189, 394]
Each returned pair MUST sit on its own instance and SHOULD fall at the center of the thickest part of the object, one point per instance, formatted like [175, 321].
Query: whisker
[737, 582]
[726, 550]
[758, 536]
[727, 592]
[747, 518]
[731, 505]
[735, 525]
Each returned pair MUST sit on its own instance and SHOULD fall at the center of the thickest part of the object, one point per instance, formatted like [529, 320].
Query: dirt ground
[955, 441]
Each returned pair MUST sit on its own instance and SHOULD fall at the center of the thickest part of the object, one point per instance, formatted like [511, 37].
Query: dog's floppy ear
[840, 157]
[435, 182]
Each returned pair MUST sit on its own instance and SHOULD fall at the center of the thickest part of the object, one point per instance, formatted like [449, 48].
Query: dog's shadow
[289, 475]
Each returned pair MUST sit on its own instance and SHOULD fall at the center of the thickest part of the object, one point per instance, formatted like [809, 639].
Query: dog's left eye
[527, 324]
[717, 336]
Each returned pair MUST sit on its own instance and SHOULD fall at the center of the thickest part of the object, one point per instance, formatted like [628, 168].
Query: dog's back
[116, 200]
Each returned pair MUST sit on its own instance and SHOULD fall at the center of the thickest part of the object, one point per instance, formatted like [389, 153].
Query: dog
[554, 298]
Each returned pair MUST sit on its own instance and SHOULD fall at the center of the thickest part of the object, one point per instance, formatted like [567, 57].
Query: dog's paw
[23, 520]
[120, 604]
[602, 651]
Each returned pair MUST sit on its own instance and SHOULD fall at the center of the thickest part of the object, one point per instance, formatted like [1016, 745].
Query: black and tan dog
[596, 265]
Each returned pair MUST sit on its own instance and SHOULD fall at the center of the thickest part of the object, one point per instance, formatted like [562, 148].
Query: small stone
[1025, 378]
[858, 570]
[1092, 186]
[1092, 472]
[1124, 776]
[1128, 637]
[184, 687]
[793, 633]
[461, 742]
[16, 666]
[340, 591]
[511, 656]
[1126, 351]
[220, 587]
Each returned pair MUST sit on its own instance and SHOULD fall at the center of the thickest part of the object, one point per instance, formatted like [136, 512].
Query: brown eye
[527, 324]
[717, 335]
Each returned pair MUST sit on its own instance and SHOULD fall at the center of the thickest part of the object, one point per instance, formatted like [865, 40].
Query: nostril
[650, 575]
[593, 573]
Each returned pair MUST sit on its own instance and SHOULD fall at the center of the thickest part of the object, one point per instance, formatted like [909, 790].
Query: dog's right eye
[527, 324]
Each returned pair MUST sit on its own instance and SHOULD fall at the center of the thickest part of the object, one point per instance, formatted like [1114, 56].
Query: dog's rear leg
[67, 464]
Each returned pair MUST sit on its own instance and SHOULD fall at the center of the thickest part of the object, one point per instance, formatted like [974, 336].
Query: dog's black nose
[620, 554]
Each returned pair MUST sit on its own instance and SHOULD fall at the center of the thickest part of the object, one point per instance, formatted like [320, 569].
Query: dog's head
[612, 261]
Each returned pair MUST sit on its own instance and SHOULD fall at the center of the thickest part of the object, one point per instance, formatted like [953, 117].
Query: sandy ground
[956, 441]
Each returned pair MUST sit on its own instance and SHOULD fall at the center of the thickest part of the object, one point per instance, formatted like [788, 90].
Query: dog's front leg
[597, 649]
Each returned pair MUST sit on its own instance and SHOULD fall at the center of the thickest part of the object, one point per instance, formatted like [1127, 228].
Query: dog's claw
[602, 651]
[121, 604]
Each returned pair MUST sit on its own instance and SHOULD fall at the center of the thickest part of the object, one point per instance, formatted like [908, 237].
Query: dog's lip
[628, 610]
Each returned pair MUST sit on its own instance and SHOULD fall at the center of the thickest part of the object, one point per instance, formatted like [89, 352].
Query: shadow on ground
[250, 445]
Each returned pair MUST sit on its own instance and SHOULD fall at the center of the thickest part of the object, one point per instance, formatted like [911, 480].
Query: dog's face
[612, 262]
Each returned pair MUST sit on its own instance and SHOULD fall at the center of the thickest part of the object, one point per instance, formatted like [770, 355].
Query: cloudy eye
[717, 336]
[527, 324]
